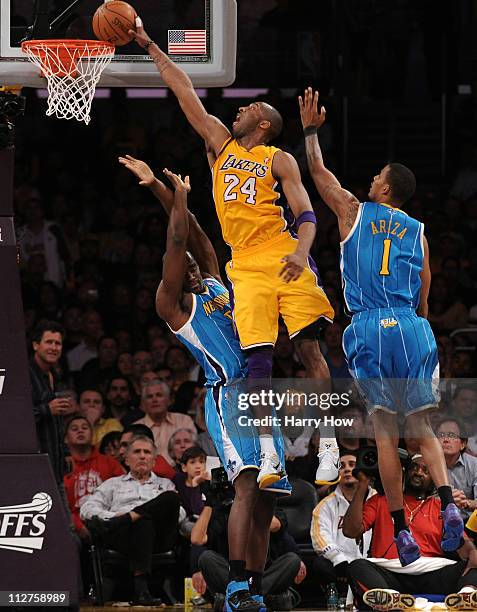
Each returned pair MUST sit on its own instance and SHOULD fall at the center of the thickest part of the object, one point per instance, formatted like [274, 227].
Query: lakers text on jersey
[246, 196]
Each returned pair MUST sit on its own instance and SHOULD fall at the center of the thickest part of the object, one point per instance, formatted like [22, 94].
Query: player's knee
[260, 362]
[246, 488]
[421, 428]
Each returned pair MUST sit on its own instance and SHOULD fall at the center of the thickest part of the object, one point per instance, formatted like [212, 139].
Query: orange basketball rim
[72, 69]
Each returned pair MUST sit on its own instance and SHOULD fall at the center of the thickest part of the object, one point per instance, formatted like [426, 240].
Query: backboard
[131, 67]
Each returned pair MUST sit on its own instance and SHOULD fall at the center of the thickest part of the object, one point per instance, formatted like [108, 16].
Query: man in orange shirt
[381, 582]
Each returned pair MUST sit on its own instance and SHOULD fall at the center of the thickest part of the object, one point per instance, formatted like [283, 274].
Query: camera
[220, 487]
[367, 462]
[11, 106]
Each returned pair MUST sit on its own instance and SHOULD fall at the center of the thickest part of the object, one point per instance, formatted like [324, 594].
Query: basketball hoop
[72, 69]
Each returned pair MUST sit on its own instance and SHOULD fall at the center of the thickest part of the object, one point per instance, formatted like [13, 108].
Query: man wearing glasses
[461, 467]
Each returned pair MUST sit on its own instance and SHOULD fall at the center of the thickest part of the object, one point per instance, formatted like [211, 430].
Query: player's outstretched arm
[170, 290]
[212, 130]
[199, 244]
[423, 309]
[343, 203]
[202, 249]
[148, 179]
[285, 168]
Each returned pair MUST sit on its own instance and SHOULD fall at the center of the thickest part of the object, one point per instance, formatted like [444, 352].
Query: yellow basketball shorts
[259, 295]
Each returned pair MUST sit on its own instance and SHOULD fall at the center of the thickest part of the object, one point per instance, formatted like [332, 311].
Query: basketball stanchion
[72, 69]
[37, 552]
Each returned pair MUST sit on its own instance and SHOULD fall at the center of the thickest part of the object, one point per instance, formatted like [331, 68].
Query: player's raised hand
[310, 116]
[294, 266]
[139, 168]
[177, 182]
[140, 35]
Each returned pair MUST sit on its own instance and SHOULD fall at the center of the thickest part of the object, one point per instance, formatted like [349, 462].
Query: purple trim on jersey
[289, 219]
[230, 289]
[314, 269]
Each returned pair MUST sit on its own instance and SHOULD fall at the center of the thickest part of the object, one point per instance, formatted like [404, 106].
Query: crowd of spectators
[106, 372]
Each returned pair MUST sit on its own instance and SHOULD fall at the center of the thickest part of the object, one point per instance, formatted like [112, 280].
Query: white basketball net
[72, 70]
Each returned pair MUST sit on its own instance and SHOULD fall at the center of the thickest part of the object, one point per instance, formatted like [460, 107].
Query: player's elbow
[321, 178]
[179, 238]
[317, 170]
[163, 307]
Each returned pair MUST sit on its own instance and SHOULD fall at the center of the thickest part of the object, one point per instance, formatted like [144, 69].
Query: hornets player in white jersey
[386, 279]
[195, 304]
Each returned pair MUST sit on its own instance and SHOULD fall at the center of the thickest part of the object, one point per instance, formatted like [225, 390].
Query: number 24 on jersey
[248, 189]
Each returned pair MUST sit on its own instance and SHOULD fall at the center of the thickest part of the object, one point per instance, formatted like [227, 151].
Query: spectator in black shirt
[48, 409]
[191, 484]
[120, 400]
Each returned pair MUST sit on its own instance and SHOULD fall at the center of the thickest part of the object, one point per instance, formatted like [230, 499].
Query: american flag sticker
[187, 42]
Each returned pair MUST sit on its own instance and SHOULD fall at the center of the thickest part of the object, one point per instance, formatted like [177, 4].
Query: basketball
[112, 22]
[42, 501]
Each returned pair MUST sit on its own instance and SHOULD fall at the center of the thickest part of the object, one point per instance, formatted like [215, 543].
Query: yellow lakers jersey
[245, 194]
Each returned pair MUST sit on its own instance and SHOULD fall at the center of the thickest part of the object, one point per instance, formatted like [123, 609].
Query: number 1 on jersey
[385, 260]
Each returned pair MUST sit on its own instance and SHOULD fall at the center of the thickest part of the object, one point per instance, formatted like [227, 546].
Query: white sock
[266, 444]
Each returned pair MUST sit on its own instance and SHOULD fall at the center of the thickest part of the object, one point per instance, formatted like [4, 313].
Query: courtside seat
[164, 564]
[299, 508]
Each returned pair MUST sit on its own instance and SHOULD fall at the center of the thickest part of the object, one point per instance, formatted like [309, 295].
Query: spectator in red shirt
[90, 468]
[381, 581]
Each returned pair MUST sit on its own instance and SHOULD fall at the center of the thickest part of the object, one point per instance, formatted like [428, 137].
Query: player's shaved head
[193, 281]
[270, 114]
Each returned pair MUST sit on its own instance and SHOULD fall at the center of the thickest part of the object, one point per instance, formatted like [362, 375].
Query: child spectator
[189, 482]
